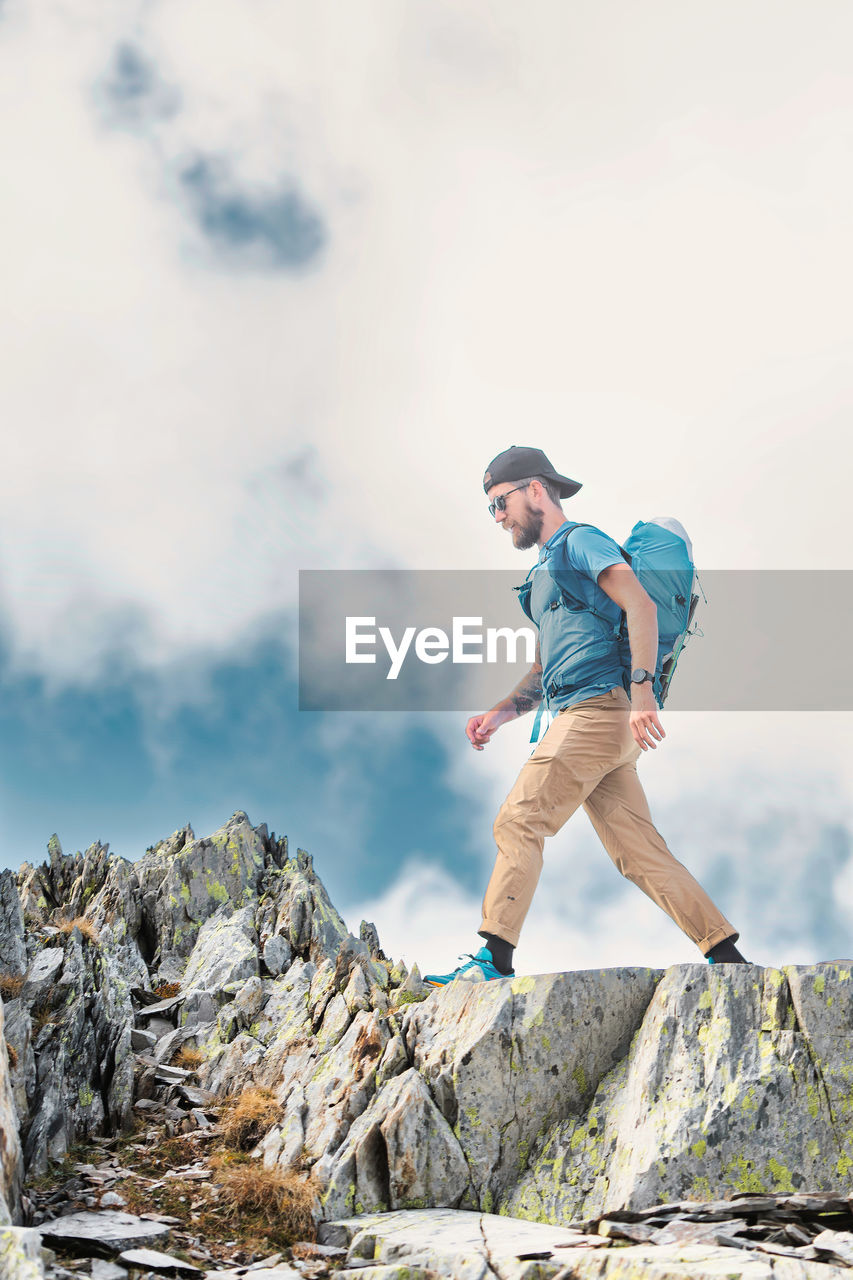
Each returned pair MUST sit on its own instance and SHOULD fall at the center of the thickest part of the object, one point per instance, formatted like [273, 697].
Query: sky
[278, 282]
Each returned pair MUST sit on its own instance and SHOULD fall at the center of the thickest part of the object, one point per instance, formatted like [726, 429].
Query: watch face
[640, 676]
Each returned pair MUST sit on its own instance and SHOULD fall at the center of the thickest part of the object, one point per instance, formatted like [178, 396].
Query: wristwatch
[640, 676]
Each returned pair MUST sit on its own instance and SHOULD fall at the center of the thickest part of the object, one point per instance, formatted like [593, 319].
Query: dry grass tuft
[283, 1201]
[87, 929]
[165, 990]
[249, 1116]
[43, 1013]
[188, 1058]
[11, 985]
[13, 1056]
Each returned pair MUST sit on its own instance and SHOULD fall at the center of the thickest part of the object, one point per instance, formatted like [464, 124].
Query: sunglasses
[499, 503]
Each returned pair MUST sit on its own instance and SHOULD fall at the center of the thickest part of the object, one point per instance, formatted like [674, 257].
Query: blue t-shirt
[580, 650]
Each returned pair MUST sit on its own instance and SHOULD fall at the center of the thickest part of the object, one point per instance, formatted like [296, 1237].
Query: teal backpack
[661, 555]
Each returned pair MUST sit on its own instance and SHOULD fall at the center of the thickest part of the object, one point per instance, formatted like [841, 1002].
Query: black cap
[519, 462]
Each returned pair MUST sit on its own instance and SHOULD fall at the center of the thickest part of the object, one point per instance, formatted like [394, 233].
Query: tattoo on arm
[529, 692]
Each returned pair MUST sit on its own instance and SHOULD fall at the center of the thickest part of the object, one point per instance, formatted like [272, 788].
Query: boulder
[506, 1061]
[721, 1092]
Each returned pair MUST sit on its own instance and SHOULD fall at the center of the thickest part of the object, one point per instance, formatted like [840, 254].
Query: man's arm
[624, 587]
[526, 695]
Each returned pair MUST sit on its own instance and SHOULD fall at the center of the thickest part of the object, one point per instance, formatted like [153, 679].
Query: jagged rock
[168, 1045]
[321, 990]
[11, 1163]
[413, 983]
[339, 1085]
[227, 1024]
[13, 947]
[336, 1019]
[836, 1245]
[369, 935]
[394, 1060]
[250, 999]
[378, 999]
[351, 951]
[42, 974]
[75, 1068]
[357, 993]
[20, 1254]
[284, 1144]
[277, 954]
[18, 1032]
[381, 975]
[225, 952]
[171, 1075]
[184, 881]
[200, 1008]
[306, 916]
[399, 1153]
[149, 1012]
[84, 1060]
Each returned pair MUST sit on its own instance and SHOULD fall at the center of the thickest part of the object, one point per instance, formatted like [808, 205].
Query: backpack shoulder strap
[572, 602]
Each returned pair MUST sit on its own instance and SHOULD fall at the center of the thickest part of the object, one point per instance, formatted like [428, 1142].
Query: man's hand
[645, 725]
[526, 695]
[479, 729]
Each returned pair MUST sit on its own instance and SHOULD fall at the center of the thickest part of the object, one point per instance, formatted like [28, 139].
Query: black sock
[726, 952]
[501, 952]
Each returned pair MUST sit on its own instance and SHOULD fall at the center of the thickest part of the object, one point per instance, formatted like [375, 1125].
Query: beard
[527, 532]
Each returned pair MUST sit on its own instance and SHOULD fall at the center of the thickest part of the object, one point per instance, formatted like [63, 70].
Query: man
[588, 755]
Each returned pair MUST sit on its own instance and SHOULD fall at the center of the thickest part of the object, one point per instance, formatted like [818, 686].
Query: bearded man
[589, 754]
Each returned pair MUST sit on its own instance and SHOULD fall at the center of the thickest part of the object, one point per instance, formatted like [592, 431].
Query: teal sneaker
[479, 968]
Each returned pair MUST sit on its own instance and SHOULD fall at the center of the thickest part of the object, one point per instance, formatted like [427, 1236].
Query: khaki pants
[589, 757]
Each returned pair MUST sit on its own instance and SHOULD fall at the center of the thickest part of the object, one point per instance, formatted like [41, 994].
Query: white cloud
[636, 261]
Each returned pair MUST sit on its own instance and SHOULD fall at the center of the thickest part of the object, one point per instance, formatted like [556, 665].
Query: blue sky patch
[133, 94]
[279, 225]
[108, 763]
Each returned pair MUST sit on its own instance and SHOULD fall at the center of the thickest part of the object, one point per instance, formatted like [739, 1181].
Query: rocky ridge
[563, 1099]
